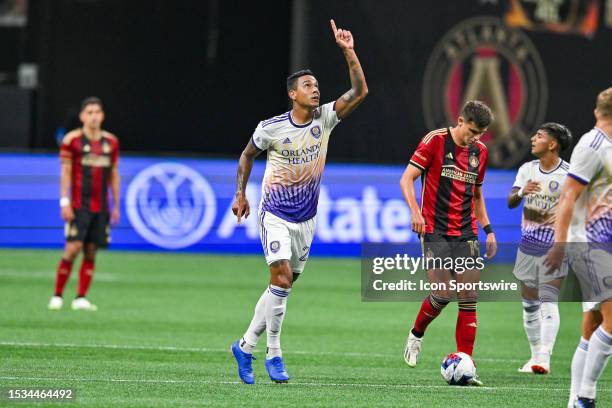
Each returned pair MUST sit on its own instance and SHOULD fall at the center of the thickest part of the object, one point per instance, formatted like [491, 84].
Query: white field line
[290, 384]
[218, 350]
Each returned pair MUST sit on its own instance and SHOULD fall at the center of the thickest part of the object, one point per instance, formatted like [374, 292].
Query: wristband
[488, 229]
[64, 202]
[521, 192]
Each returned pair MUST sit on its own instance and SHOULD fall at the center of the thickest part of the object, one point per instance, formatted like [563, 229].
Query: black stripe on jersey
[445, 184]
[85, 176]
[468, 195]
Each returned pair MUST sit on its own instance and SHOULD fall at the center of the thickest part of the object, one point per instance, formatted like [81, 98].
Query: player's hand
[344, 38]
[67, 214]
[418, 222]
[115, 215]
[241, 207]
[554, 257]
[491, 246]
[531, 187]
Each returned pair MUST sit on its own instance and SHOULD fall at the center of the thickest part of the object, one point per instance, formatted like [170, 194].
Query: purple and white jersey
[591, 165]
[296, 158]
[540, 209]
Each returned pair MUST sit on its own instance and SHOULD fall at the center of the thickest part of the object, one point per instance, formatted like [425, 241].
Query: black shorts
[447, 246]
[89, 227]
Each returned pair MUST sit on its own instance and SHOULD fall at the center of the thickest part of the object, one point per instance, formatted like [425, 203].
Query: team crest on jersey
[482, 59]
[553, 186]
[315, 131]
[86, 148]
[474, 162]
[274, 246]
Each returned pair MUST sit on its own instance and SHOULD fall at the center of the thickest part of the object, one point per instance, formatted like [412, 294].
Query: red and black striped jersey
[92, 163]
[450, 174]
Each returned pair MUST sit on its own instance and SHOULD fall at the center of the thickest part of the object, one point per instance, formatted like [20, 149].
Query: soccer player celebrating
[296, 142]
[587, 196]
[540, 182]
[89, 164]
[452, 163]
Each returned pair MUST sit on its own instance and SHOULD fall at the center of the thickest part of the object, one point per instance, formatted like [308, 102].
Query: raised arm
[245, 165]
[347, 103]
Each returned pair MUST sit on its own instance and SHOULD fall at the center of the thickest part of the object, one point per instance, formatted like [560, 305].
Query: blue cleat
[585, 403]
[245, 364]
[276, 370]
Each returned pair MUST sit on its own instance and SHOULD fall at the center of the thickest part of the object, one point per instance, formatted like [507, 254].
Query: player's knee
[281, 274]
[548, 293]
[441, 294]
[72, 249]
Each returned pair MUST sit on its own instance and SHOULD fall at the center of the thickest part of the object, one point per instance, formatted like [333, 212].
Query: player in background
[586, 202]
[89, 158]
[452, 165]
[540, 182]
[296, 144]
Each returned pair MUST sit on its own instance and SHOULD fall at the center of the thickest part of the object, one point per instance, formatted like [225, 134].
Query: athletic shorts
[444, 246]
[592, 266]
[89, 227]
[284, 240]
[530, 270]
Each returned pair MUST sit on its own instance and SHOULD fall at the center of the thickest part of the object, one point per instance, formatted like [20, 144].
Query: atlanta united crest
[482, 59]
[474, 162]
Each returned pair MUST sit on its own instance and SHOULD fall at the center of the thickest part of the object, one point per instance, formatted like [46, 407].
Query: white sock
[577, 369]
[600, 348]
[257, 326]
[550, 326]
[532, 322]
[275, 305]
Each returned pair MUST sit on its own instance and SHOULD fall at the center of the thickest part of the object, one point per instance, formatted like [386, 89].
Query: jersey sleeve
[584, 164]
[261, 138]
[329, 116]
[423, 155]
[482, 166]
[67, 149]
[521, 176]
[115, 153]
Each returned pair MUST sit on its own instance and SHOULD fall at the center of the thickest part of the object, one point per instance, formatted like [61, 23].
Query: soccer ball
[458, 368]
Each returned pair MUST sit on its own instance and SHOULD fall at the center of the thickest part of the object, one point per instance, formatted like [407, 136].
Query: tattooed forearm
[349, 95]
[245, 164]
[357, 77]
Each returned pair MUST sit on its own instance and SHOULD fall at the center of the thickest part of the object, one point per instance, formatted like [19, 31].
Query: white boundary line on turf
[217, 350]
[290, 384]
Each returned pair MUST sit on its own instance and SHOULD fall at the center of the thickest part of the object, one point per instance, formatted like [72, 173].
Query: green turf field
[165, 322]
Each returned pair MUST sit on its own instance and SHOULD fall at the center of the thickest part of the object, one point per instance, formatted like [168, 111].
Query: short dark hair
[560, 132]
[477, 112]
[91, 100]
[292, 79]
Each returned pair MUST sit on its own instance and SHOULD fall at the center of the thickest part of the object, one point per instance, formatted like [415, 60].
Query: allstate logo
[171, 205]
[315, 131]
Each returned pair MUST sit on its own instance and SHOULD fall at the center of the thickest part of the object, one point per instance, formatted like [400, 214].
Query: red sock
[426, 315]
[85, 276]
[61, 276]
[465, 331]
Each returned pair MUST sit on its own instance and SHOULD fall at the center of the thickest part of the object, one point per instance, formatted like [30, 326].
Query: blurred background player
[452, 164]
[587, 195]
[89, 157]
[540, 182]
[296, 142]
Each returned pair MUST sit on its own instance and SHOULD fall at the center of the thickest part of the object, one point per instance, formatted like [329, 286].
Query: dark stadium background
[197, 76]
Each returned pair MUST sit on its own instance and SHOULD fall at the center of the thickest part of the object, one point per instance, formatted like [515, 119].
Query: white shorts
[286, 240]
[530, 270]
[592, 267]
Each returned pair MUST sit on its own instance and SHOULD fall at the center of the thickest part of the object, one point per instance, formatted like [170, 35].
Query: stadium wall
[184, 204]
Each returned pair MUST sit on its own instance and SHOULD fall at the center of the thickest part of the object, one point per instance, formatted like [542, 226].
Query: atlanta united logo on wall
[480, 58]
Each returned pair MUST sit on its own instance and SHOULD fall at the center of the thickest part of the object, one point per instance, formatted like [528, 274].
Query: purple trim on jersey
[273, 121]
[600, 230]
[578, 179]
[537, 241]
[553, 170]
[296, 125]
[296, 203]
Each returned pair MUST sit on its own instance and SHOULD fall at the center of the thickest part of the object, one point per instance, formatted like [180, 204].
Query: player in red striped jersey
[89, 157]
[451, 163]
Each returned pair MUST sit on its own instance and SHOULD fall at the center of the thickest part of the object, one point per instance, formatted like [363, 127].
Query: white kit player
[586, 199]
[296, 143]
[539, 183]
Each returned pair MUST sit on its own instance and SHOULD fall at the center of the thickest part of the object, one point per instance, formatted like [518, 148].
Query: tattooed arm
[347, 103]
[241, 206]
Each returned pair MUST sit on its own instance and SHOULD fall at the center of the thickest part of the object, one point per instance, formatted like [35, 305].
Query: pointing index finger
[333, 26]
